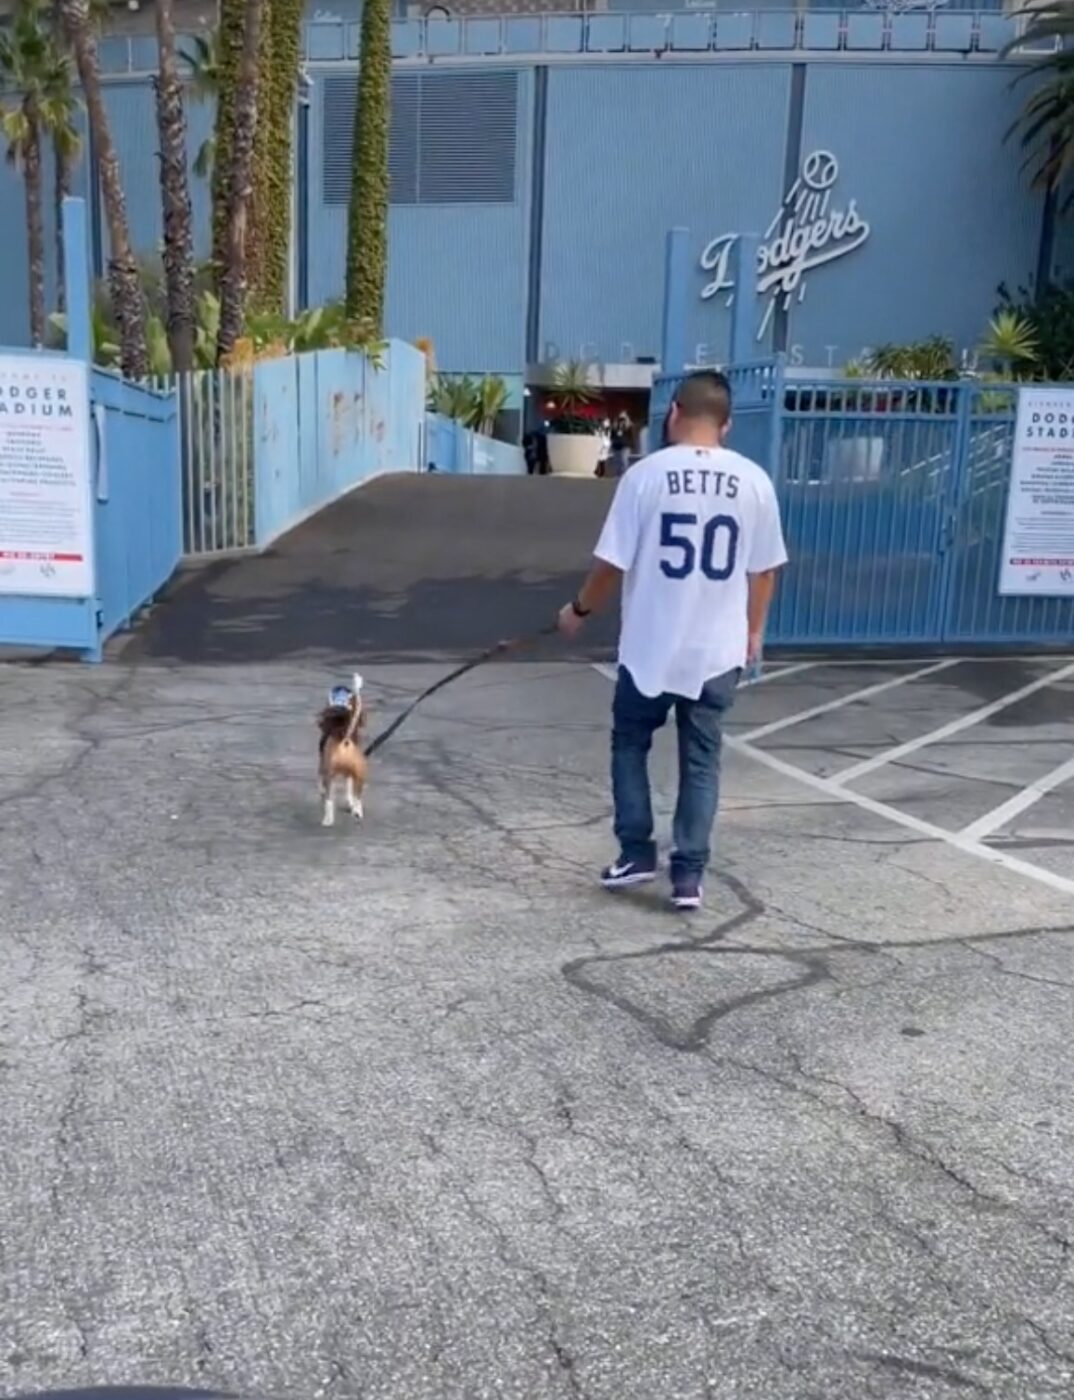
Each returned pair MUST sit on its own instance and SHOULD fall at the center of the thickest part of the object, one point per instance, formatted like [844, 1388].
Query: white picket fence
[215, 414]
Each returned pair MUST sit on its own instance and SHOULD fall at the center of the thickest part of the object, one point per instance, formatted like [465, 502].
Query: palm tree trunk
[367, 231]
[178, 219]
[127, 301]
[240, 179]
[61, 175]
[35, 221]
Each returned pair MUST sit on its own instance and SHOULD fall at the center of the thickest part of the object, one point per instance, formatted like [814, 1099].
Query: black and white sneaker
[624, 873]
[686, 891]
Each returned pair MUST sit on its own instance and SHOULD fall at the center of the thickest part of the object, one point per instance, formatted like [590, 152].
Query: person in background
[531, 454]
[604, 433]
[535, 451]
[694, 533]
[622, 430]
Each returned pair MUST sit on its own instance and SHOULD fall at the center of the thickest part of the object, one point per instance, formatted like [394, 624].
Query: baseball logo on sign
[807, 231]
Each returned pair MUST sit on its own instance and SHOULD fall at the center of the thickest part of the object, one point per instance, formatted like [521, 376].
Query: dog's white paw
[357, 811]
[329, 817]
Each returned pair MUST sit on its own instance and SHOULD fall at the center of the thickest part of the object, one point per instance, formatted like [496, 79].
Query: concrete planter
[573, 454]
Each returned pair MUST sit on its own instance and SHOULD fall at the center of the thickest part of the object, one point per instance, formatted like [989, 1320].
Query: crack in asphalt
[903, 1139]
[510, 1255]
[922, 1370]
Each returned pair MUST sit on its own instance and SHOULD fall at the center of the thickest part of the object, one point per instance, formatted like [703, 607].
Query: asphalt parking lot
[416, 1110]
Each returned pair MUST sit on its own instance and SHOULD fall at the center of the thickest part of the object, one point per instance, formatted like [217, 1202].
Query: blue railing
[627, 29]
[734, 31]
[457, 451]
[893, 496]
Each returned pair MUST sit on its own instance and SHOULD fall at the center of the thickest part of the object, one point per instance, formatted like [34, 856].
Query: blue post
[676, 292]
[76, 280]
[745, 307]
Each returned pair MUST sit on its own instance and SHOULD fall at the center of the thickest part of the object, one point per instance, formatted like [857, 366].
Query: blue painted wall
[948, 205]
[632, 148]
[132, 114]
[920, 148]
[14, 290]
[456, 272]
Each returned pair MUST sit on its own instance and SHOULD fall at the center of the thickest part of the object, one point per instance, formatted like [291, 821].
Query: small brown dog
[341, 756]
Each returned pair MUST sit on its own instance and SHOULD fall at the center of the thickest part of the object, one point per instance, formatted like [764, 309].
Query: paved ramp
[405, 568]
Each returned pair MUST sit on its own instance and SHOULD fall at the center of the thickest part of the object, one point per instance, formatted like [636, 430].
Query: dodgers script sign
[46, 520]
[1038, 541]
[810, 229]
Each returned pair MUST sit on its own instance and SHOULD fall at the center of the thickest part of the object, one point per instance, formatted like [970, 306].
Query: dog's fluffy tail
[334, 722]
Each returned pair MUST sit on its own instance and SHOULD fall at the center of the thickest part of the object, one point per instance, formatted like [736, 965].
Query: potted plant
[573, 437]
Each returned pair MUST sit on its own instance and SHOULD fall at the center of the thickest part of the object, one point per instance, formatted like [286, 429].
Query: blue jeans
[635, 719]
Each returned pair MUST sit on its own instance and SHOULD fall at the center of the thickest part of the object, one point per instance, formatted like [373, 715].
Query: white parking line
[959, 840]
[610, 673]
[1001, 815]
[837, 704]
[791, 670]
[935, 736]
[997, 659]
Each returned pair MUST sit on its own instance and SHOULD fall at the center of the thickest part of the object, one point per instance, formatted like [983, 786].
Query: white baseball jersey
[688, 525]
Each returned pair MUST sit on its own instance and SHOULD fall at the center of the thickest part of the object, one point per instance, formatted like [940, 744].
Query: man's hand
[570, 624]
[761, 588]
[598, 588]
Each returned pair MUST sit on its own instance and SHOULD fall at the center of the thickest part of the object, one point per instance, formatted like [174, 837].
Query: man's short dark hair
[705, 396]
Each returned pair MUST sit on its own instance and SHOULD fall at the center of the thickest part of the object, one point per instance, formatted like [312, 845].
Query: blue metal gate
[893, 496]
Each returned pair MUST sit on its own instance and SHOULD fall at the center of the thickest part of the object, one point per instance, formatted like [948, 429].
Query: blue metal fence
[457, 451]
[326, 421]
[139, 498]
[136, 505]
[893, 496]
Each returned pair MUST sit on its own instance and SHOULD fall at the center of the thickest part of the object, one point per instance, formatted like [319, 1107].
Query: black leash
[490, 654]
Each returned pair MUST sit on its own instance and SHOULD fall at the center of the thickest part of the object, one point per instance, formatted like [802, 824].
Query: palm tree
[178, 219]
[273, 175]
[367, 230]
[1046, 123]
[31, 66]
[204, 86]
[126, 290]
[230, 36]
[238, 184]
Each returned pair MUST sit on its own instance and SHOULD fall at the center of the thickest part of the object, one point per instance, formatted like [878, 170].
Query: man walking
[694, 533]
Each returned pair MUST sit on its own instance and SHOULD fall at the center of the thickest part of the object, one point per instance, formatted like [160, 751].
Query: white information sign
[1038, 540]
[46, 520]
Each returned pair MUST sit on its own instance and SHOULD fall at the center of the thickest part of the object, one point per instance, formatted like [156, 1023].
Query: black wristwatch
[578, 610]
